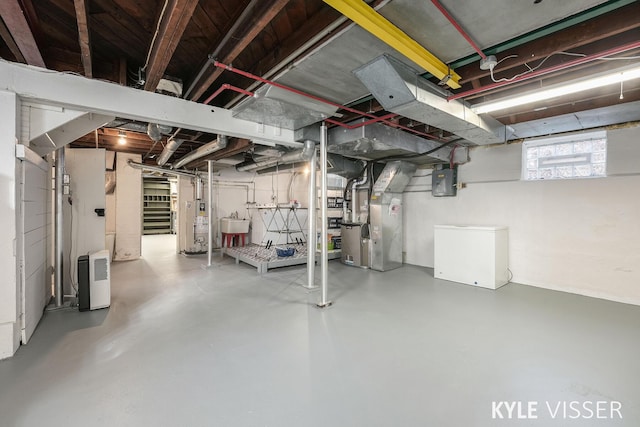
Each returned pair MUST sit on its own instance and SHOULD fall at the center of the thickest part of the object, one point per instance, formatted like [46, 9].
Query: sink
[232, 226]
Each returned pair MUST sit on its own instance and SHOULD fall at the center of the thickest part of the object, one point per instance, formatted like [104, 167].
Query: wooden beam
[255, 27]
[17, 24]
[82, 17]
[11, 44]
[172, 25]
[122, 71]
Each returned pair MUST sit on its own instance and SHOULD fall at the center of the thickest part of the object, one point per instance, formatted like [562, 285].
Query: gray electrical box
[443, 182]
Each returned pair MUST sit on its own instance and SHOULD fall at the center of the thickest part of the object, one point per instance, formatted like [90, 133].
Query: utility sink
[232, 226]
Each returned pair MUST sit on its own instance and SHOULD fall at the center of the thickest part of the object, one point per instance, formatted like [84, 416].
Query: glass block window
[567, 157]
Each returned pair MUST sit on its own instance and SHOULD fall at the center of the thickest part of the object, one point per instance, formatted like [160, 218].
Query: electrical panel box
[443, 182]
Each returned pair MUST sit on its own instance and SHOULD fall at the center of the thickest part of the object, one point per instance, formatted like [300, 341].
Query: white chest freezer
[477, 256]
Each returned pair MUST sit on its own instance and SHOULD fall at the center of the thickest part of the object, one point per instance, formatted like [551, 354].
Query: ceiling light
[122, 138]
[560, 90]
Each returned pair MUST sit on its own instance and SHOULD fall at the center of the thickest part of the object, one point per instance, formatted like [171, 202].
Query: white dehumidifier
[94, 281]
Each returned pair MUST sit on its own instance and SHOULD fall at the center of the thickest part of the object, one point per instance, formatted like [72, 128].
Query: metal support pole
[59, 225]
[210, 211]
[311, 220]
[324, 258]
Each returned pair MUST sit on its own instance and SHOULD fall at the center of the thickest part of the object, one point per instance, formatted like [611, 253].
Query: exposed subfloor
[186, 346]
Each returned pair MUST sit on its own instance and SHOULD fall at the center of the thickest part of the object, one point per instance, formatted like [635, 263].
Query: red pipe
[459, 28]
[578, 61]
[325, 101]
[224, 87]
[359, 125]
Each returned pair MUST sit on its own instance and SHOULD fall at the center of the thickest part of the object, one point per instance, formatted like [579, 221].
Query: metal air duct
[303, 155]
[376, 142]
[169, 149]
[139, 127]
[211, 147]
[401, 90]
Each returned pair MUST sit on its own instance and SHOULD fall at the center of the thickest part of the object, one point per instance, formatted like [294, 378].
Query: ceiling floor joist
[17, 24]
[255, 27]
[172, 24]
[82, 17]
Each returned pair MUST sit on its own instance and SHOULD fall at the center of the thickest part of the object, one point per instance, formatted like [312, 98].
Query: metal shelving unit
[156, 211]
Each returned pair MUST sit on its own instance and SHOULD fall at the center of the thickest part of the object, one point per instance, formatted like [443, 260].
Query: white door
[34, 219]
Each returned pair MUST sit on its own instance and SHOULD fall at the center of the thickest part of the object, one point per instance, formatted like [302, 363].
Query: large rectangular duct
[377, 141]
[278, 107]
[401, 90]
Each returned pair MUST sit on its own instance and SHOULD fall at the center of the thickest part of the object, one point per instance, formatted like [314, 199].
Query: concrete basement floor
[185, 346]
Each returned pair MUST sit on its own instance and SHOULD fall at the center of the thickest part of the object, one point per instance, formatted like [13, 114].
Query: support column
[59, 228]
[311, 220]
[210, 211]
[324, 258]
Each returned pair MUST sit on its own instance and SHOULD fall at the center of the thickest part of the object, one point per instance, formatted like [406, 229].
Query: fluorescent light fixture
[621, 75]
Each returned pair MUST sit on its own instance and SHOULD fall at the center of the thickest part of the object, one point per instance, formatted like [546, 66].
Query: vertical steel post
[311, 220]
[59, 226]
[324, 259]
[210, 211]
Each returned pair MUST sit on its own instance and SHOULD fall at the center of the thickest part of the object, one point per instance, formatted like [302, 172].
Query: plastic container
[285, 252]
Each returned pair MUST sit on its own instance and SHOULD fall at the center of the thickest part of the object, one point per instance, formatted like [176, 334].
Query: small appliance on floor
[94, 281]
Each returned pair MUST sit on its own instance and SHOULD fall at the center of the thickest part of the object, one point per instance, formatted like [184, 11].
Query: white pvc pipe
[210, 211]
[311, 220]
[324, 261]
[59, 225]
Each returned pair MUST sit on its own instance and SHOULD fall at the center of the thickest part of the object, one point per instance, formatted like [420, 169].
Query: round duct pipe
[212, 147]
[169, 149]
[303, 155]
[138, 127]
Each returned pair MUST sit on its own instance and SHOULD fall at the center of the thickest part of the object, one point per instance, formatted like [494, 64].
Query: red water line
[324, 101]
[359, 125]
[578, 61]
[457, 26]
[224, 87]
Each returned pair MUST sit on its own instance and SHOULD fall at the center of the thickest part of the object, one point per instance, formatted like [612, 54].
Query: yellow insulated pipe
[362, 14]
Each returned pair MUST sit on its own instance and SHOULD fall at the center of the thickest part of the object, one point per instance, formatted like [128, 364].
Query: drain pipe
[210, 211]
[168, 151]
[311, 221]
[212, 147]
[59, 236]
[324, 258]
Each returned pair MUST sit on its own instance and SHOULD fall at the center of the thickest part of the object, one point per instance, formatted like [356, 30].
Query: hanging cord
[532, 69]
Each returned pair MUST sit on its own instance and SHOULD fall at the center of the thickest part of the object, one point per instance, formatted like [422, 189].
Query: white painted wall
[578, 236]
[269, 188]
[9, 298]
[87, 233]
[128, 244]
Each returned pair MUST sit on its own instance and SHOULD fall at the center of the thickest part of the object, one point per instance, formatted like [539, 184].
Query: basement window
[567, 157]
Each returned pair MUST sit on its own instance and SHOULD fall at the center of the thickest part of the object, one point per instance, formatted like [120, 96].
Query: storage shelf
[156, 206]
